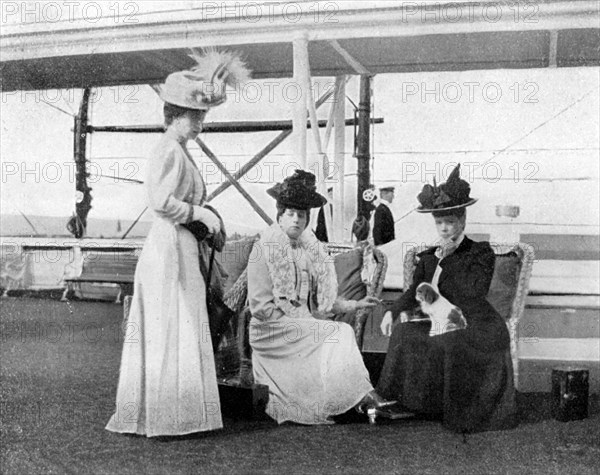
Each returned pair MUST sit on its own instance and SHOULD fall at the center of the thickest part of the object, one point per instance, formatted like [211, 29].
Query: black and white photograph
[300, 237]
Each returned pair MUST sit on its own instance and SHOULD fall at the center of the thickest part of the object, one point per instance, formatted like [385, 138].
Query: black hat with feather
[452, 195]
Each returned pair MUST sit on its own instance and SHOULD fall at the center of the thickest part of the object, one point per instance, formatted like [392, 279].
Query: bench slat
[110, 268]
[111, 279]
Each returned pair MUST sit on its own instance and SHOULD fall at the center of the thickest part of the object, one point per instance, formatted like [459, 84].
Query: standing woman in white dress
[167, 382]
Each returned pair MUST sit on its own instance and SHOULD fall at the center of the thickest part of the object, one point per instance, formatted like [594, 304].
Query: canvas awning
[403, 37]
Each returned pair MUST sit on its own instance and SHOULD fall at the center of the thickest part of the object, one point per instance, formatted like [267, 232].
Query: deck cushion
[234, 258]
[504, 283]
[348, 266]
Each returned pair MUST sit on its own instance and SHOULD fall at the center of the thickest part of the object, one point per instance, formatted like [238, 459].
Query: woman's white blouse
[174, 183]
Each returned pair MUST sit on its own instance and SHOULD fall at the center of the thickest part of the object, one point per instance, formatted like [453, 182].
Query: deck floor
[59, 372]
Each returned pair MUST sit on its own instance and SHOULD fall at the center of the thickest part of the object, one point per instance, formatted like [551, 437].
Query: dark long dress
[465, 377]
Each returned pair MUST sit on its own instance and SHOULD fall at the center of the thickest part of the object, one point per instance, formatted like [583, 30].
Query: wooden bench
[105, 266]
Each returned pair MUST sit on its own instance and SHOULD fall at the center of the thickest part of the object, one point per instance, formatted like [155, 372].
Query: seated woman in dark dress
[465, 376]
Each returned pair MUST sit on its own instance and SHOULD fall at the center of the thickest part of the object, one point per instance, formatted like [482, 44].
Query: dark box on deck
[570, 387]
[243, 401]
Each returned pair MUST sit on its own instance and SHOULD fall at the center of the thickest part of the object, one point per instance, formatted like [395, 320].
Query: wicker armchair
[508, 289]
[237, 296]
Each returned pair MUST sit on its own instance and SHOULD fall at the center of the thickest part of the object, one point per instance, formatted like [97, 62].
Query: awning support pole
[553, 48]
[321, 165]
[359, 68]
[339, 150]
[83, 195]
[363, 155]
[301, 78]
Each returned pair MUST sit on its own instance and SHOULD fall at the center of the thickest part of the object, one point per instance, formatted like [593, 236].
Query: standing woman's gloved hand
[213, 223]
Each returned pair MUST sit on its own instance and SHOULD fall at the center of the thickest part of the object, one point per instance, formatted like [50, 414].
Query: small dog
[444, 316]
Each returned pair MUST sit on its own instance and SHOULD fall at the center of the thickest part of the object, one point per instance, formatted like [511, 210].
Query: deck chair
[349, 264]
[508, 289]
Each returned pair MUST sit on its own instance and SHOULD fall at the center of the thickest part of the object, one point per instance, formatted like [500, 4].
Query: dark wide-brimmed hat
[204, 85]
[454, 194]
[298, 191]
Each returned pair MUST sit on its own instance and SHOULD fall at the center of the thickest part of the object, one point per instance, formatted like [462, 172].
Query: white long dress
[313, 367]
[167, 382]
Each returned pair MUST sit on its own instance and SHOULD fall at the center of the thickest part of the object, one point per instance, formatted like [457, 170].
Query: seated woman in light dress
[312, 366]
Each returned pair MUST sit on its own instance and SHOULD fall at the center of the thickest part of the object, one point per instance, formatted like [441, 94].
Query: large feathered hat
[298, 191]
[204, 85]
[454, 194]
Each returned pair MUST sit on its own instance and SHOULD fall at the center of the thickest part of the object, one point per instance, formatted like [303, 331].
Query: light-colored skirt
[313, 368]
[167, 382]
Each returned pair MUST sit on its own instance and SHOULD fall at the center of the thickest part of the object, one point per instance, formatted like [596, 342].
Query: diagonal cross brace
[248, 166]
[225, 172]
[263, 153]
